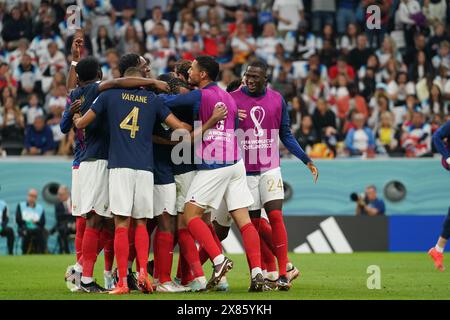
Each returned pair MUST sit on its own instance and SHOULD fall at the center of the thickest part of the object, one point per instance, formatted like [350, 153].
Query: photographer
[368, 204]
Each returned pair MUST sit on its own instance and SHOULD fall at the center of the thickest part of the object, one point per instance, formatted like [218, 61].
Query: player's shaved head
[133, 72]
[87, 69]
[256, 77]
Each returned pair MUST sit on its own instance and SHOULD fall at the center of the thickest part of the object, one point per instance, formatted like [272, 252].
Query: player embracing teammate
[266, 122]
[115, 144]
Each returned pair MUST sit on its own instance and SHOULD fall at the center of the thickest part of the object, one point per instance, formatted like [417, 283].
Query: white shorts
[93, 181]
[131, 193]
[266, 187]
[164, 199]
[209, 187]
[76, 193]
[183, 182]
[221, 215]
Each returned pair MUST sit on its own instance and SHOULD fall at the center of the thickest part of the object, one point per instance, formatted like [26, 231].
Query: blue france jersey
[163, 167]
[187, 113]
[131, 116]
[87, 94]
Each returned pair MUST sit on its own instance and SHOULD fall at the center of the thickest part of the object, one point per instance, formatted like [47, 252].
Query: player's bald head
[256, 76]
[133, 72]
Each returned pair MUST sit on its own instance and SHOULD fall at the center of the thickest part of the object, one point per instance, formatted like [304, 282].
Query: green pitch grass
[326, 276]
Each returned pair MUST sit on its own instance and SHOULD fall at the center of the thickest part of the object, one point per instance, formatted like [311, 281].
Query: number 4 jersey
[131, 115]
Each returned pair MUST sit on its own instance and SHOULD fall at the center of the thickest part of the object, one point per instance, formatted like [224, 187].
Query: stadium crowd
[351, 90]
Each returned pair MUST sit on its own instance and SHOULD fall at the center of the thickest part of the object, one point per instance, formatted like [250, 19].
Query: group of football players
[181, 158]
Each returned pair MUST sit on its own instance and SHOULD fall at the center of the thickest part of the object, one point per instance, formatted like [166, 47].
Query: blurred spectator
[239, 18]
[127, 42]
[416, 137]
[347, 41]
[15, 28]
[381, 106]
[288, 13]
[5, 231]
[435, 10]
[157, 17]
[324, 121]
[420, 68]
[341, 68]
[112, 62]
[214, 18]
[101, 43]
[314, 64]
[435, 40]
[6, 79]
[226, 78]
[399, 88]
[51, 62]
[328, 54]
[53, 122]
[212, 40]
[186, 18]
[189, 37]
[39, 138]
[345, 15]
[387, 51]
[370, 204]
[39, 44]
[435, 104]
[65, 222]
[124, 21]
[301, 43]
[360, 140]
[15, 57]
[32, 109]
[97, 12]
[443, 56]
[367, 85]
[420, 44]
[323, 13]
[410, 18]
[314, 89]
[386, 135]
[306, 135]
[284, 85]
[348, 103]
[13, 124]
[242, 44]
[28, 77]
[267, 42]
[358, 56]
[30, 219]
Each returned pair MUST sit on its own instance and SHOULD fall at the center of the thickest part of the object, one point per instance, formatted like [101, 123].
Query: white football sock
[78, 267]
[273, 275]
[439, 249]
[87, 280]
[219, 259]
[256, 271]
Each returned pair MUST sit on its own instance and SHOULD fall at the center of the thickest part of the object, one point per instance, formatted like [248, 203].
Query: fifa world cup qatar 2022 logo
[257, 114]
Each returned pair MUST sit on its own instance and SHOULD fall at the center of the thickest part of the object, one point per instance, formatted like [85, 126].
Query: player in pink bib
[266, 122]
